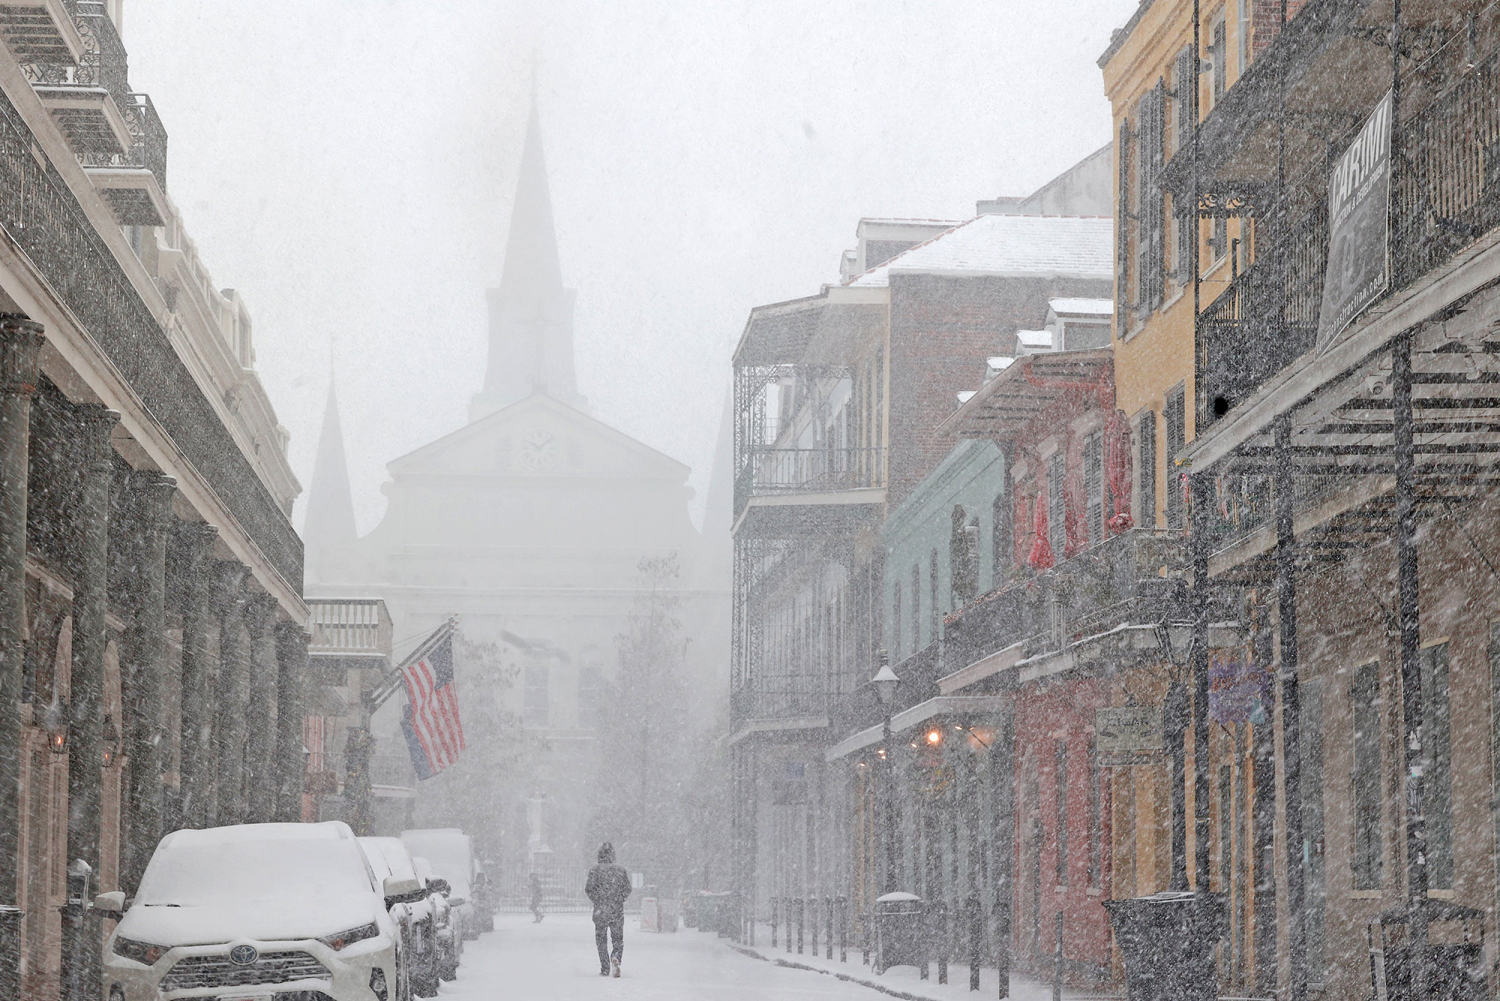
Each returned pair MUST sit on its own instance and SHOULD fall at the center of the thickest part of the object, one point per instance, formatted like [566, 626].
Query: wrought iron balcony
[135, 183]
[1445, 192]
[87, 97]
[40, 31]
[788, 472]
[1127, 580]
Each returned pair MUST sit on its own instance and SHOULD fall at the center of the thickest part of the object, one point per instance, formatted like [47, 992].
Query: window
[1175, 416]
[1002, 542]
[934, 612]
[538, 708]
[1151, 118]
[1312, 825]
[1061, 785]
[1096, 833]
[1183, 82]
[1242, 33]
[1226, 828]
[1437, 748]
[1364, 696]
[1056, 531]
[1145, 515]
[896, 621]
[916, 607]
[1218, 240]
[588, 695]
[1184, 232]
[1218, 58]
[1123, 220]
[963, 557]
[1093, 485]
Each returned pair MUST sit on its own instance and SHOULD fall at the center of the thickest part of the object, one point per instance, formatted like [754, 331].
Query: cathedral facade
[530, 523]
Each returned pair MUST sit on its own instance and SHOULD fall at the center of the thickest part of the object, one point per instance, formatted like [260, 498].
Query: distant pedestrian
[607, 888]
[536, 898]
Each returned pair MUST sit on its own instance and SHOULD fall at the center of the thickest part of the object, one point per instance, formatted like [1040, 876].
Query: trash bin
[1455, 954]
[900, 931]
[1167, 942]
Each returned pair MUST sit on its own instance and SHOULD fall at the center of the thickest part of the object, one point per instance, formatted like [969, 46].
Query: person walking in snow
[536, 898]
[607, 888]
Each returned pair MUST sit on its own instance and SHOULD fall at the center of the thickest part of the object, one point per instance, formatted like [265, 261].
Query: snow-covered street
[555, 961]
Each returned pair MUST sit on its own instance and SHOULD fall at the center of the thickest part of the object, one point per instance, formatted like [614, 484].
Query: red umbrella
[1117, 455]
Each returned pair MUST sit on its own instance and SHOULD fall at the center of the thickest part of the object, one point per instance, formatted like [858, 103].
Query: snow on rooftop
[965, 396]
[1082, 307]
[1009, 245]
[1037, 340]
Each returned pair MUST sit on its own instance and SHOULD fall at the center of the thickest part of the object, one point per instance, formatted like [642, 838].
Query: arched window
[537, 707]
[1002, 539]
[963, 557]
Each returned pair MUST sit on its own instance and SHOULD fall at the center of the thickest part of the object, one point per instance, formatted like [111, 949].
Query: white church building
[529, 523]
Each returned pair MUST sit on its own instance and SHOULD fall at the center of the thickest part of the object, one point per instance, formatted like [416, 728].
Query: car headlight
[349, 936]
[141, 952]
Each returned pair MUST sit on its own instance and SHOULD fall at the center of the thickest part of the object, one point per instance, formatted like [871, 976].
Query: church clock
[538, 451]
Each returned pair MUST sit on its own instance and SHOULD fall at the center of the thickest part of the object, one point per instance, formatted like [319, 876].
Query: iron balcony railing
[1445, 196]
[781, 699]
[1131, 579]
[771, 471]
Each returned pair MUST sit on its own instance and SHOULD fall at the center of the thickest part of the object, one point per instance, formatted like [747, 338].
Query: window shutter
[1146, 508]
[1184, 80]
[1155, 208]
[1174, 416]
[1093, 485]
[1056, 507]
[1122, 228]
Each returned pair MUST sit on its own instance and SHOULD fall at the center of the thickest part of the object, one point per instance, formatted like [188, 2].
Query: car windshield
[198, 875]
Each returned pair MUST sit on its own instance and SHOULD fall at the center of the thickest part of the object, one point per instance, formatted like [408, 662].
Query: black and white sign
[1359, 196]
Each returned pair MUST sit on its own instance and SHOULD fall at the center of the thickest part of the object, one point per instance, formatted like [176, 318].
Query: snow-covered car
[412, 911]
[255, 911]
[449, 940]
[452, 856]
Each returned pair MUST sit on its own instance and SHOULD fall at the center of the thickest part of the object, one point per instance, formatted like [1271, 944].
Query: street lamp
[111, 750]
[885, 682]
[55, 723]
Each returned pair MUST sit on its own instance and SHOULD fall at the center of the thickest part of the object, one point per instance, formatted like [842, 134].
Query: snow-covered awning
[943, 705]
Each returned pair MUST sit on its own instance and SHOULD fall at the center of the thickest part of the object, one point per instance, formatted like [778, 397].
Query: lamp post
[885, 682]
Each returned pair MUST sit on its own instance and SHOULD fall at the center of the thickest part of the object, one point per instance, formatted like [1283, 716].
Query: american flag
[434, 735]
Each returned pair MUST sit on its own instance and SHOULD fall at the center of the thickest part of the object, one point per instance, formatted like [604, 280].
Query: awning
[943, 705]
[1035, 387]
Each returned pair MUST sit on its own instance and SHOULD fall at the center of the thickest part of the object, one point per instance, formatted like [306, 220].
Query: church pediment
[538, 437]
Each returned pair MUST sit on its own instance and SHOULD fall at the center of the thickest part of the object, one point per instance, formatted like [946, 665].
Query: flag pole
[392, 682]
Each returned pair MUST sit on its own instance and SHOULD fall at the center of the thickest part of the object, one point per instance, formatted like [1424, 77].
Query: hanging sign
[1239, 689]
[1359, 199]
[1128, 732]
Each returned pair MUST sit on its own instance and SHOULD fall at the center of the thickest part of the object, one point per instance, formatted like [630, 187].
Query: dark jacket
[607, 887]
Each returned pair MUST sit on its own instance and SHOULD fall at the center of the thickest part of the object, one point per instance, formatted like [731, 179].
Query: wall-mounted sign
[1128, 731]
[1359, 199]
[1239, 689]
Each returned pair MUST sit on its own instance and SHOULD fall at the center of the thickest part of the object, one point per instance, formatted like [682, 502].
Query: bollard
[1057, 961]
[812, 919]
[801, 917]
[828, 925]
[775, 909]
[976, 938]
[942, 943]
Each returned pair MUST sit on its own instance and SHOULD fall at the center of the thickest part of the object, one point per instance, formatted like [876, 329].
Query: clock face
[538, 451]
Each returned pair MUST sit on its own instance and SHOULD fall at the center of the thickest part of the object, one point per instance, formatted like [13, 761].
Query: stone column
[88, 530]
[146, 653]
[291, 664]
[260, 756]
[198, 672]
[233, 692]
[20, 342]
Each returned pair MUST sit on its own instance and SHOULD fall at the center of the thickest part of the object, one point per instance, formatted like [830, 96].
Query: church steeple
[531, 313]
[329, 526]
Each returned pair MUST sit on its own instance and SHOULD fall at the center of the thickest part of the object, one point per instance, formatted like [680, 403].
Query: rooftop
[1008, 246]
[1082, 307]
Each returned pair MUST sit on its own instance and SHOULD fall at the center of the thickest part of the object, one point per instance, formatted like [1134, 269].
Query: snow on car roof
[388, 854]
[1008, 245]
[331, 830]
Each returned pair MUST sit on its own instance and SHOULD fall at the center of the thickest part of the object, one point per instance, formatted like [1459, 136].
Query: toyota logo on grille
[243, 955]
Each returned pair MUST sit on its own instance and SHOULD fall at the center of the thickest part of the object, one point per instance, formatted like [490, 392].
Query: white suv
[254, 913]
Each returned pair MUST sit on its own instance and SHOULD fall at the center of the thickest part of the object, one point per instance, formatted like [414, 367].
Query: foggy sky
[348, 166]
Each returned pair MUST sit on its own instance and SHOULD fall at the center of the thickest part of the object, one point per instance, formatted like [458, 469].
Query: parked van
[451, 854]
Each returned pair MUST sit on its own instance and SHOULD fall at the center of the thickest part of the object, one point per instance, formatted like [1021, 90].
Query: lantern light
[55, 723]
